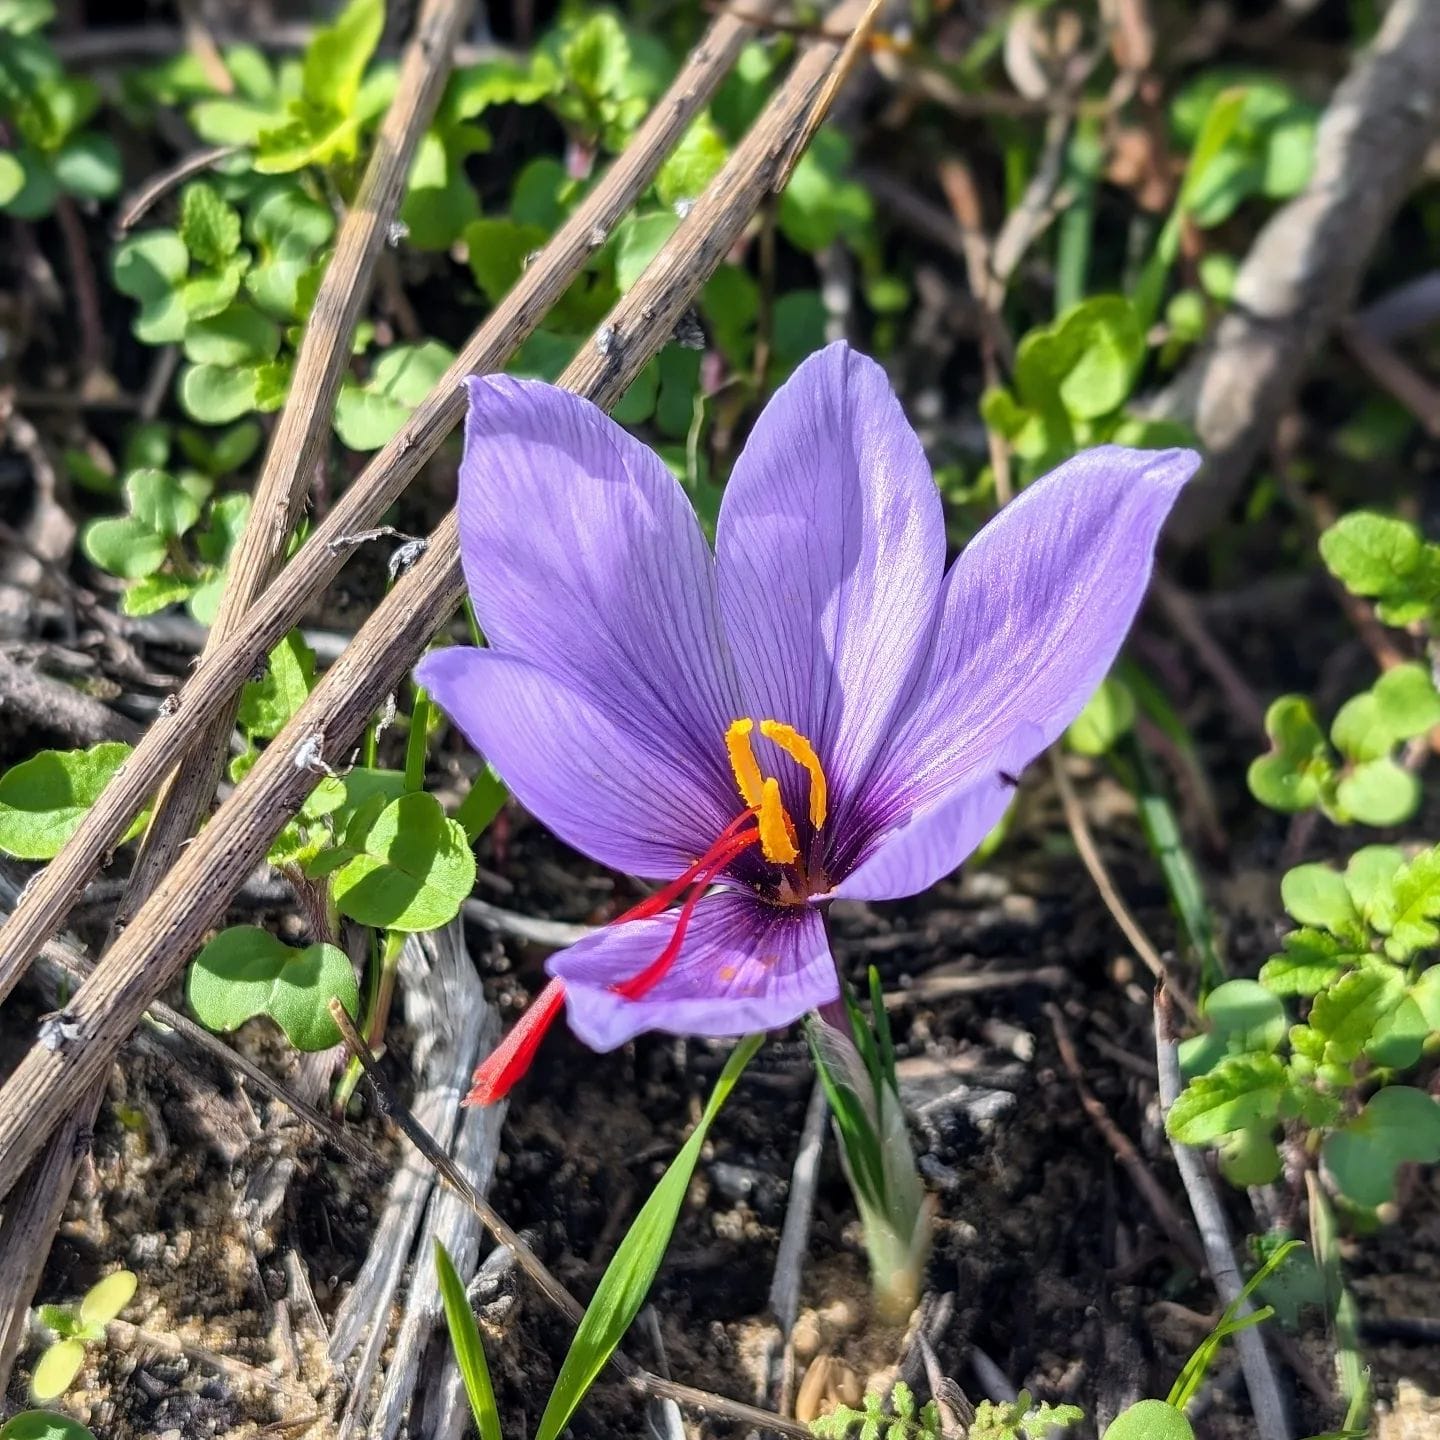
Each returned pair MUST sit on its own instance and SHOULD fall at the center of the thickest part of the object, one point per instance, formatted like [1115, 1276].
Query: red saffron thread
[511, 1058]
[504, 1066]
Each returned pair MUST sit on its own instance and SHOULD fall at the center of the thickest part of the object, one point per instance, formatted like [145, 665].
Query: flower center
[778, 840]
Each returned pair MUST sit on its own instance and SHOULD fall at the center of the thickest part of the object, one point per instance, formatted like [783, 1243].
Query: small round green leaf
[245, 971]
[405, 867]
[43, 1425]
[238, 335]
[44, 798]
[366, 416]
[1246, 1015]
[89, 166]
[12, 177]
[1318, 895]
[1399, 1125]
[165, 504]
[1379, 792]
[216, 395]
[126, 547]
[1150, 1420]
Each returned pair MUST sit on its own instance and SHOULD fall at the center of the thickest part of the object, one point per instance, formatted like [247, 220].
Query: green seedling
[75, 1326]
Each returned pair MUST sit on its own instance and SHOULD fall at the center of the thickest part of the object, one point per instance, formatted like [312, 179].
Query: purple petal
[744, 966]
[830, 549]
[1031, 618]
[583, 556]
[600, 786]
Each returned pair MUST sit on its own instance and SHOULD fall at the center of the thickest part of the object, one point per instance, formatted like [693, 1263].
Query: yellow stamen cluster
[762, 794]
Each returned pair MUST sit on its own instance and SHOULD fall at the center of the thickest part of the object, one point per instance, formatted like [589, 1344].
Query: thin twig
[158, 186]
[1123, 1148]
[1266, 1402]
[640, 1379]
[1181, 612]
[1090, 855]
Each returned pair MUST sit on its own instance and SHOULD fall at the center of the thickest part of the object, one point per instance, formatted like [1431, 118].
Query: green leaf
[1370, 876]
[164, 504]
[1107, 716]
[498, 250]
[209, 226]
[1239, 1091]
[638, 240]
[368, 415]
[221, 454]
[1312, 959]
[1149, 1420]
[217, 394]
[245, 971]
[239, 335]
[125, 547]
[466, 1342]
[336, 58]
[43, 1425]
[43, 799]
[404, 867]
[1401, 704]
[56, 1368]
[692, 164]
[1378, 792]
[1318, 895]
[1098, 347]
[209, 293]
[1346, 1013]
[154, 593]
[1397, 1126]
[102, 1302]
[1371, 554]
[89, 166]
[12, 177]
[821, 203]
[150, 268]
[267, 705]
[628, 1277]
[1406, 912]
[1293, 776]
[1246, 1016]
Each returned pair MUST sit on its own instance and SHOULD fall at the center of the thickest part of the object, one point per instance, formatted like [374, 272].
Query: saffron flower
[817, 711]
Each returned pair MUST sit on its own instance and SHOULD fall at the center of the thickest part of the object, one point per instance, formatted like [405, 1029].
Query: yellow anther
[802, 752]
[776, 838]
[742, 761]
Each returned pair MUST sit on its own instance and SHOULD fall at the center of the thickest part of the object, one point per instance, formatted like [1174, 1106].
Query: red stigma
[497, 1076]
[511, 1058]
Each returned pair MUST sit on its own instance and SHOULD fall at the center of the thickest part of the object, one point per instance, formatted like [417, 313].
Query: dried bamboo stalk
[172, 923]
[218, 679]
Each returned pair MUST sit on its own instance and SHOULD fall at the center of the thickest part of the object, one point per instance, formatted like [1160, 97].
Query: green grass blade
[628, 1277]
[1215, 131]
[469, 1351]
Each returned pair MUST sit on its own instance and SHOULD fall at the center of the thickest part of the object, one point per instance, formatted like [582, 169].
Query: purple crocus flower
[817, 711]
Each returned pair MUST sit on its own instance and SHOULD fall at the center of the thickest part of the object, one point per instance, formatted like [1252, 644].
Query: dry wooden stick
[300, 439]
[218, 679]
[296, 446]
[505, 1234]
[190, 898]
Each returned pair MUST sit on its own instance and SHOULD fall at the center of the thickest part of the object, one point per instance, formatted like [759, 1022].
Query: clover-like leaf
[1294, 775]
[1318, 895]
[44, 798]
[150, 268]
[166, 504]
[1370, 876]
[238, 335]
[1378, 792]
[401, 866]
[1398, 1125]
[1239, 1091]
[218, 394]
[1384, 559]
[124, 546]
[246, 971]
[367, 415]
[1401, 704]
